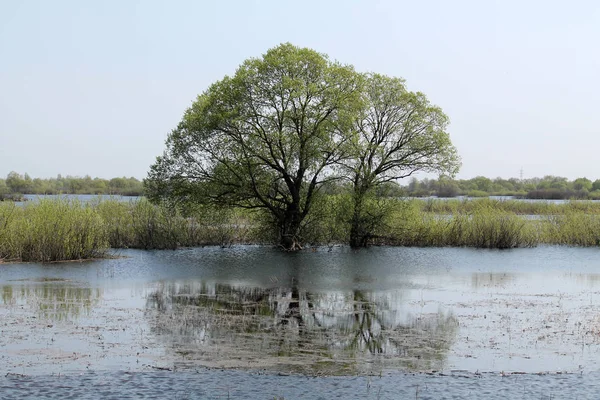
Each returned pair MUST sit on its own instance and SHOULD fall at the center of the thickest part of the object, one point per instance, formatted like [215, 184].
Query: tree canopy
[264, 138]
[285, 124]
[398, 133]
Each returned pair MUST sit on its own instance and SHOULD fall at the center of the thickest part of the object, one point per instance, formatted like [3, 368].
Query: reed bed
[572, 229]
[143, 225]
[483, 227]
[51, 230]
[62, 229]
[521, 207]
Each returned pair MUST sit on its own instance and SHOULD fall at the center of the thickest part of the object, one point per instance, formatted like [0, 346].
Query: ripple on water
[313, 313]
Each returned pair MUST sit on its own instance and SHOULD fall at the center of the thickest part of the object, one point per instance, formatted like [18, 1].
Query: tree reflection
[57, 301]
[291, 328]
[491, 279]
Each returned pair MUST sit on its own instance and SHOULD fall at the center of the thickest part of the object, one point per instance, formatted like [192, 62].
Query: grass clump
[51, 230]
[573, 228]
[482, 227]
[143, 225]
[514, 206]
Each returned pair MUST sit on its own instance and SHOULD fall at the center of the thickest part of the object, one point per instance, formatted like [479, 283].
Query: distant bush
[477, 193]
[557, 194]
[594, 195]
[12, 197]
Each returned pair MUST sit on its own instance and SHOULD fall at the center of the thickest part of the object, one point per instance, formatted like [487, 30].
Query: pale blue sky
[94, 87]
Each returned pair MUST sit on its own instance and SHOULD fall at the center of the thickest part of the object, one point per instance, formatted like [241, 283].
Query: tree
[3, 188]
[398, 133]
[18, 183]
[266, 138]
[482, 183]
[582, 184]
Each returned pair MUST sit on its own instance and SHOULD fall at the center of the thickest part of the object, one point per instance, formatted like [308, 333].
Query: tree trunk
[289, 231]
[358, 238]
[359, 234]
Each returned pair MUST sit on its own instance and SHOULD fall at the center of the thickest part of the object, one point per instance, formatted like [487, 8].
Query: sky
[94, 87]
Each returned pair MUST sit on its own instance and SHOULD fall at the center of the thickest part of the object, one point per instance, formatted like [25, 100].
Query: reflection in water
[53, 300]
[491, 279]
[296, 330]
[588, 279]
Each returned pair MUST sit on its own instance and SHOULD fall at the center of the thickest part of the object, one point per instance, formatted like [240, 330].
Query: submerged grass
[63, 229]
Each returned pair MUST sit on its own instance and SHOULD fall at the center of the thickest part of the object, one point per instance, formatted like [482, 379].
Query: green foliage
[57, 230]
[548, 187]
[287, 124]
[477, 193]
[573, 228]
[327, 224]
[582, 184]
[3, 188]
[398, 133]
[143, 225]
[514, 206]
[51, 231]
[17, 183]
[266, 138]
[483, 227]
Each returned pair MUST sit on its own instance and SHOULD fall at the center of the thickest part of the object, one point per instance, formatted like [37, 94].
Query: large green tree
[397, 134]
[265, 138]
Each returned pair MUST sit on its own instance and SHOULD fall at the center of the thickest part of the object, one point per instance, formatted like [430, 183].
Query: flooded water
[381, 313]
[84, 198]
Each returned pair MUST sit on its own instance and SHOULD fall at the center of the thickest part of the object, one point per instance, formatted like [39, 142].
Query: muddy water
[316, 313]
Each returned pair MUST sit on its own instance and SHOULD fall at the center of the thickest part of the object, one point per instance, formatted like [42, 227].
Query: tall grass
[515, 206]
[51, 230]
[62, 229]
[144, 225]
[483, 227]
[406, 223]
[572, 228]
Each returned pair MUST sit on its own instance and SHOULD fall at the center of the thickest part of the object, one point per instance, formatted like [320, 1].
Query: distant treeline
[16, 184]
[548, 187]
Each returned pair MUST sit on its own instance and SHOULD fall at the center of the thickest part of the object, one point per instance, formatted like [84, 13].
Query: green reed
[573, 228]
[57, 230]
[515, 206]
[51, 230]
[143, 225]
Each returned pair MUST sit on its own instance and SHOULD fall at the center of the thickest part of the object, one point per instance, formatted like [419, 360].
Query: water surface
[337, 312]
